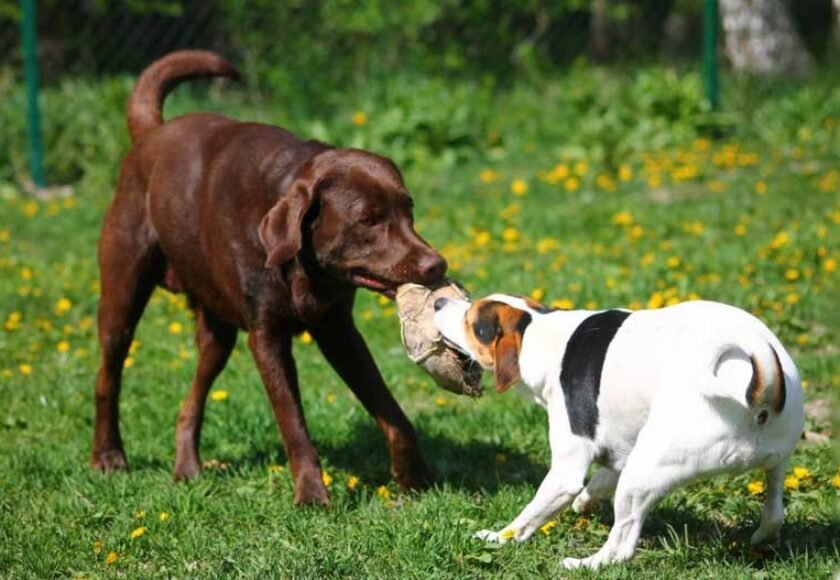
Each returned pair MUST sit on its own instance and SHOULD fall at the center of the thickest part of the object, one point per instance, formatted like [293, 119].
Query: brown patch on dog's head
[494, 331]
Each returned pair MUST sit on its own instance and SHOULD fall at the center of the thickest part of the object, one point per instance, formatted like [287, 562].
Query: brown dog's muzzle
[422, 266]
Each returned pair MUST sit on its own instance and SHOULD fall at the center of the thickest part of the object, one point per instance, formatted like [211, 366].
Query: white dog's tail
[765, 389]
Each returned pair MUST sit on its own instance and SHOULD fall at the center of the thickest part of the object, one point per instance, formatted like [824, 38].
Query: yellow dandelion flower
[580, 168]
[835, 481]
[138, 532]
[761, 187]
[546, 245]
[591, 305]
[740, 230]
[62, 306]
[830, 265]
[508, 534]
[30, 209]
[352, 482]
[482, 238]
[510, 235]
[326, 478]
[792, 298]
[538, 294]
[755, 487]
[111, 558]
[791, 482]
[306, 338]
[488, 176]
[571, 184]
[656, 300]
[176, 327]
[383, 492]
[129, 362]
[801, 472]
[139, 515]
[562, 304]
[780, 240]
[63, 346]
[359, 118]
[625, 173]
[219, 395]
[604, 181]
[163, 516]
[673, 262]
[547, 527]
[25, 369]
[519, 187]
[5, 236]
[510, 211]
[635, 232]
[622, 218]
[792, 274]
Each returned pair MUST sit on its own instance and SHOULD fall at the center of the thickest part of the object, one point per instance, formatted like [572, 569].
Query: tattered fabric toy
[424, 344]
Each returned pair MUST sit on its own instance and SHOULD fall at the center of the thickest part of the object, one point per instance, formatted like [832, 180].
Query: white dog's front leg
[556, 492]
[570, 458]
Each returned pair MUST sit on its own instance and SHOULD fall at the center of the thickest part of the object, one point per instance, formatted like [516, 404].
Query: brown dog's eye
[372, 219]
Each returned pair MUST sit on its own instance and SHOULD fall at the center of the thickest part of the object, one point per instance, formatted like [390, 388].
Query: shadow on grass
[800, 538]
[471, 465]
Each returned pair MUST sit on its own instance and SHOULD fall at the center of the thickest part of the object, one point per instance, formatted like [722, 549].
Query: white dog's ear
[506, 367]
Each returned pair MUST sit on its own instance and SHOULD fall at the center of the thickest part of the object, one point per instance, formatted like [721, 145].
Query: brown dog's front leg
[346, 351]
[272, 352]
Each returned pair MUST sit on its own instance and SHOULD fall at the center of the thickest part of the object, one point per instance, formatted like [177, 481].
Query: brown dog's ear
[506, 367]
[280, 231]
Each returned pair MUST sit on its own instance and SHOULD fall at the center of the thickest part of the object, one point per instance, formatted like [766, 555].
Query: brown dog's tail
[146, 102]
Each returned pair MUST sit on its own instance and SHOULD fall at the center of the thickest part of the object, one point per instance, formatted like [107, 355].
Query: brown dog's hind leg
[215, 340]
[345, 349]
[272, 351]
[130, 265]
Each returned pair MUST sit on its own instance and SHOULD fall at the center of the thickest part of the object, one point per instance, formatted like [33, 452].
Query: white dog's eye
[484, 332]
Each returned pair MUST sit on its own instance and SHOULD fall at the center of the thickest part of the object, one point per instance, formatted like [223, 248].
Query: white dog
[657, 397]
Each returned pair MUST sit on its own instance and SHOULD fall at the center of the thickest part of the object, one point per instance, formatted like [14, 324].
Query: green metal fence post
[30, 64]
[710, 52]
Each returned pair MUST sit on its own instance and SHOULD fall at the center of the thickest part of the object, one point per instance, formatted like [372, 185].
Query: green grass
[752, 219]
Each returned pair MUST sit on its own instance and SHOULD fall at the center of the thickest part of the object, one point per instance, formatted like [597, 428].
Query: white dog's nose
[441, 303]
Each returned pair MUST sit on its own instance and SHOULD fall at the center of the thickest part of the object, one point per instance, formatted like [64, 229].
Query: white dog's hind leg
[653, 469]
[774, 511]
[601, 485]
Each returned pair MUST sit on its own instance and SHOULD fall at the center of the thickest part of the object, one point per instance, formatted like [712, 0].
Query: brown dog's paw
[186, 469]
[413, 476]
[310, 490]
[109, 460]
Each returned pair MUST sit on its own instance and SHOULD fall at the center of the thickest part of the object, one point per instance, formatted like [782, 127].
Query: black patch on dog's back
[583, 361]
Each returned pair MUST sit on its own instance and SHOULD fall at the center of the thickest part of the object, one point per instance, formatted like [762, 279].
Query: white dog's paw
[500, 537]
[574, 563]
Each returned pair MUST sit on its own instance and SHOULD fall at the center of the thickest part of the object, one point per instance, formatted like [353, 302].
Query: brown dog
[267, 233]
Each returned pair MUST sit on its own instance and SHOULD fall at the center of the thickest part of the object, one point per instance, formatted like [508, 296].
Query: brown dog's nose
[432, 268]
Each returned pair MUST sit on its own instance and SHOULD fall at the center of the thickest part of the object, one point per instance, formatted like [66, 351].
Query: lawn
[588, 190]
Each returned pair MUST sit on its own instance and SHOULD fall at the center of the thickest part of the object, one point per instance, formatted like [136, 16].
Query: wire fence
[100, 37]
[326, 47]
